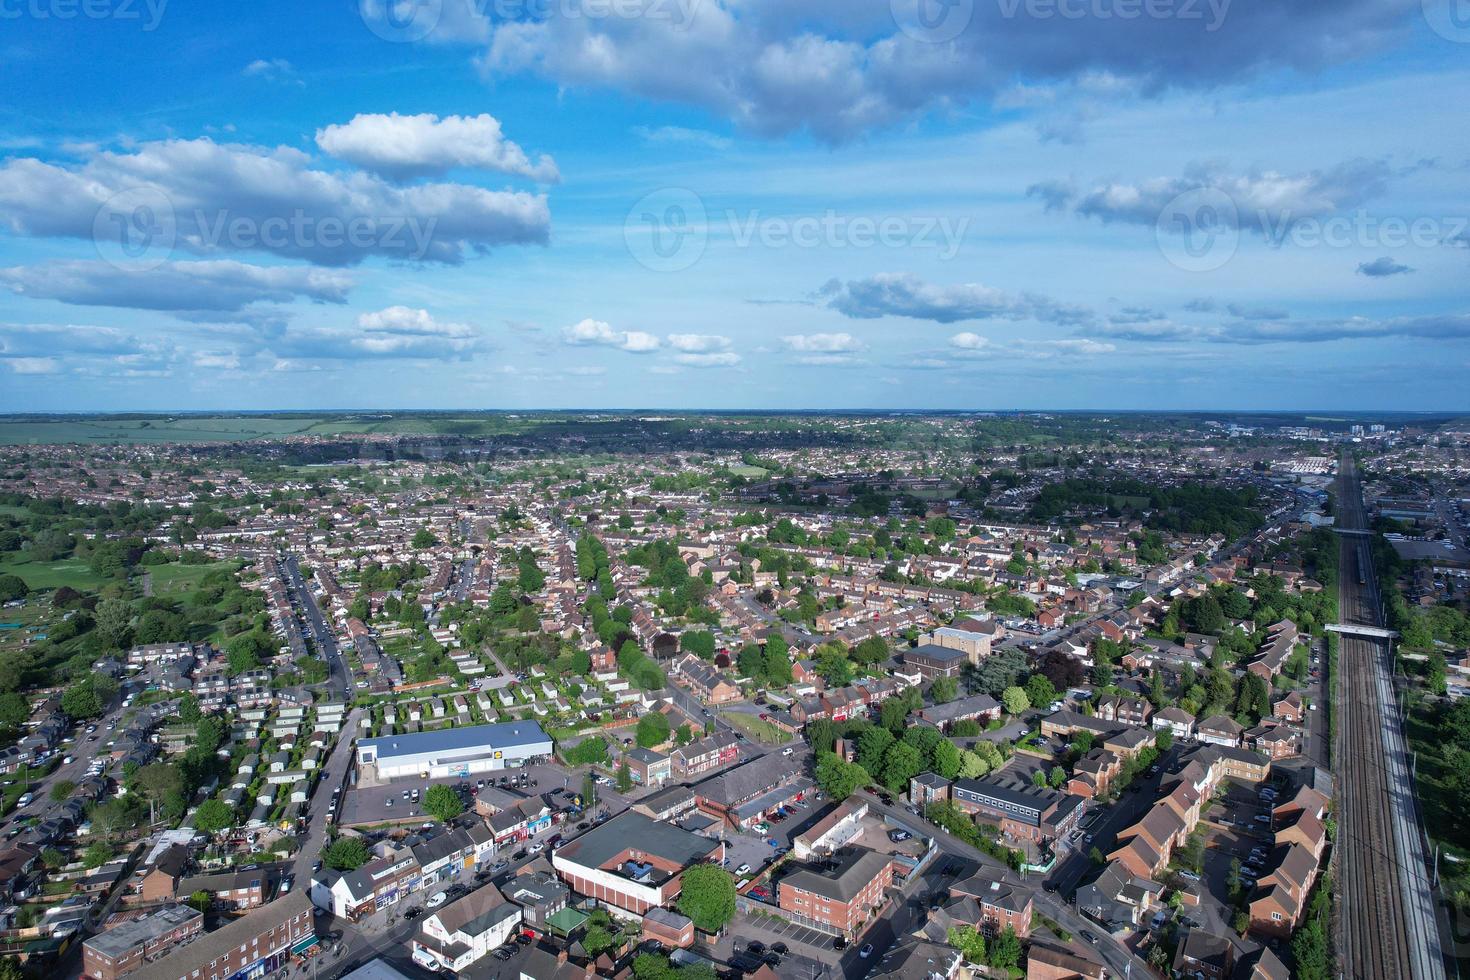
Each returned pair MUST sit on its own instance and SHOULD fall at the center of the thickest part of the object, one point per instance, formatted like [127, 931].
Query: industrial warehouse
[454, 751]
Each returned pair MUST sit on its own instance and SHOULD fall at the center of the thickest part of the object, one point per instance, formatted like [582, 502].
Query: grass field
[176, 578]
[761, 731]
[749, 472]
[52, 575]
[236, 428]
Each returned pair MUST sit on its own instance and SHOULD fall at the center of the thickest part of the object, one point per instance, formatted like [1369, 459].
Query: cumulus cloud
[44, 339]
[1382, 268]
[838, 69]
[824, 343]
[969, 341]
[424, 145]
[32, 365]
[208, 198]
[901, 294]
[695, 343]
[210, 287]
[596, 332]
[1265, 201]
[273, 70]
[713, 359]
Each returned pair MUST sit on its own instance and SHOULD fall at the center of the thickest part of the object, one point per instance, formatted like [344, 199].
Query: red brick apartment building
[842, 893]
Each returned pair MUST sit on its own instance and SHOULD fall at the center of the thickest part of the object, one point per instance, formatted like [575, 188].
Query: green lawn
[761, 731]
[177, 578]
[53, 575]
[749, 472]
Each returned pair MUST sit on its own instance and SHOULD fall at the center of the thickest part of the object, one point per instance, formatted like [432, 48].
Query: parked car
[744, 869]
[437, 899]
[866, 951]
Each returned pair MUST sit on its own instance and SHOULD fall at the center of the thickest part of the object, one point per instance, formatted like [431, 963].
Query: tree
[443, 803]
[1015, 700]
[872, 746]
[1005, 952]
[199, 901]
[213, 816]
[707, 896]
[12, 587]
[347, 854]
[81, 701]
[969, 941]
[902, 763]
[1039, 689]
[624, 777]
[1057, 777]
[653, 729]
[97, 854]
[62, 789]
[423, 538]
[947, 759]
[114, 618]
[944, 690]
[840, 779]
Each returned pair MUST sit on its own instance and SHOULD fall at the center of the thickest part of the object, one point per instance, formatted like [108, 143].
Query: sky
[734, 204]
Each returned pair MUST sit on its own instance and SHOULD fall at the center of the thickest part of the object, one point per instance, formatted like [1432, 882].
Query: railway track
[1386, 915]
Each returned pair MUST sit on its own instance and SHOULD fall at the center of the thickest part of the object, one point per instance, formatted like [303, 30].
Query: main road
[1386, 908]
[321, 630]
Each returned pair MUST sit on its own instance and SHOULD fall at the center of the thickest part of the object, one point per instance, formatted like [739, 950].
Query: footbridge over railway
[1358, 629]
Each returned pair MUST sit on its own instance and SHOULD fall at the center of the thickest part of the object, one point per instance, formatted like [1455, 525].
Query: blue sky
[734, 204]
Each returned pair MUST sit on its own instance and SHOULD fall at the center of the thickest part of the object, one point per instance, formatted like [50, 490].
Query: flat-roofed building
[454, 751]
[632, 863]
[126, 947]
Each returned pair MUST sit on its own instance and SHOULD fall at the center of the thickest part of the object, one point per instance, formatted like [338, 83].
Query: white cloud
[839, 69]
[969, 341]
[217, 360]
[695, 343]
[207, 198]
[273, 70]
[825, 343]
[221, 287]
[901, 294]
[33, 365]
[719, 359]
[596, 332]
[406, 147]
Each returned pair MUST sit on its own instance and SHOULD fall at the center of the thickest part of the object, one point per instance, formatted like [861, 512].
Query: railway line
[1386, 913]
